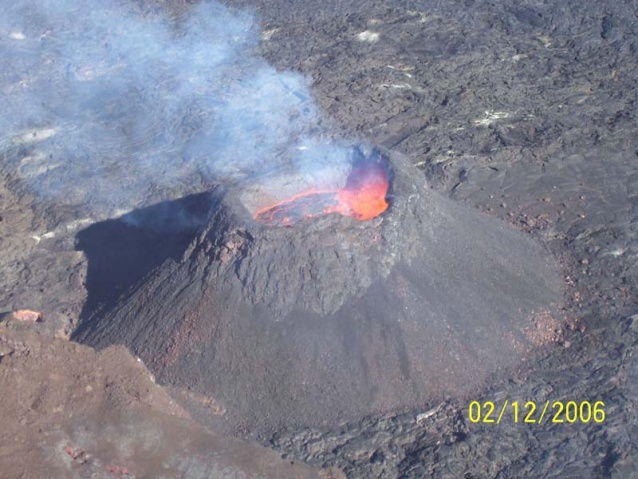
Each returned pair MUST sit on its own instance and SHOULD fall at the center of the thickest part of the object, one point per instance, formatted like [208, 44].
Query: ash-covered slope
[73, 413]
[336, 318]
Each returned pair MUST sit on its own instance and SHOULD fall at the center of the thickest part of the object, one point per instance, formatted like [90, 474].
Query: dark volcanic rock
[335, 318]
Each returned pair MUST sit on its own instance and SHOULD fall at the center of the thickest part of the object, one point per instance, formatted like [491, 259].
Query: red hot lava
[363, 198]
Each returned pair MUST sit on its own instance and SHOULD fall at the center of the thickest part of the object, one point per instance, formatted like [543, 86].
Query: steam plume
[107, 107]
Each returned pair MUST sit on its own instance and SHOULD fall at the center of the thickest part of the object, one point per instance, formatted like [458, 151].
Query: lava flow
[363, 198]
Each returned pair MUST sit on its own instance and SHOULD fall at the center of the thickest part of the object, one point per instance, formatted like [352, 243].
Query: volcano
[303, 304]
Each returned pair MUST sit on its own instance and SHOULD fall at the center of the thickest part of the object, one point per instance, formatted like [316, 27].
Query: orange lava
[362, 198]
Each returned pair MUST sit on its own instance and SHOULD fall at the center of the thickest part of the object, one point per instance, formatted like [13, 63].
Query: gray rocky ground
[524, 111]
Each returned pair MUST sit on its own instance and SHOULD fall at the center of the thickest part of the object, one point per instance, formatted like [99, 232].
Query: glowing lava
[363, 198]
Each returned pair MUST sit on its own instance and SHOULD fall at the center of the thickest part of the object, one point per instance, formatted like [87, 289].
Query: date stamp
[532, 412]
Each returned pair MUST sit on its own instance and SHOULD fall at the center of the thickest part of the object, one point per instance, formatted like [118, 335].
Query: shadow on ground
[122, 251]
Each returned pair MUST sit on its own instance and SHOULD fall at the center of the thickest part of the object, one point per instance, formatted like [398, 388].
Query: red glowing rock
[363, 198]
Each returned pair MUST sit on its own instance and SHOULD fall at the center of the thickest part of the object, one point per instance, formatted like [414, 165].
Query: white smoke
[106, 106]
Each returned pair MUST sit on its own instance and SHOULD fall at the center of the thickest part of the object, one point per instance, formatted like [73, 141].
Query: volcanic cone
[308, 313]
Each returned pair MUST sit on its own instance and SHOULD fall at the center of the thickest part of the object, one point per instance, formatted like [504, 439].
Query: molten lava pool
[363, 197]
